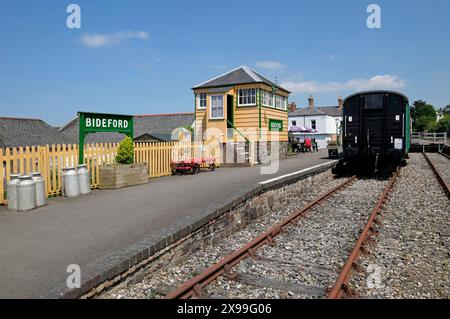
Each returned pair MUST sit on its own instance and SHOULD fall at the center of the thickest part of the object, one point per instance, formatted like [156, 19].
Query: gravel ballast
[442, 164]
[170, 276]
[410, 256]
[310, 254]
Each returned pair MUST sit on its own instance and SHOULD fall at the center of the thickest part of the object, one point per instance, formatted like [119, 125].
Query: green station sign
[275, 125]
[100, 122]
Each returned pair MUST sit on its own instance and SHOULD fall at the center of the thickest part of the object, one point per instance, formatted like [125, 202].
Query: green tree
[417, 105]
[423, 116]
[125, 152]
[443, 125]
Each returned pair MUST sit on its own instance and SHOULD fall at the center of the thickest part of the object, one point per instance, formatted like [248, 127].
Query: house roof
[154, 137]
[157, 125]
[444, 110]
[240, 75]
[16, 132]
[323, 110]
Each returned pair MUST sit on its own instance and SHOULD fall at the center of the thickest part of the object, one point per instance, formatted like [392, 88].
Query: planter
[120, 176]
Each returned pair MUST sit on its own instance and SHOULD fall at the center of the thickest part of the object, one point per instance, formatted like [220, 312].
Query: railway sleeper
[263, 282]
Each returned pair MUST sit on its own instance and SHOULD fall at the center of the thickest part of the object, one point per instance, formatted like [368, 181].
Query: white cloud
[270, 65]
[379, 82]
[104, 40]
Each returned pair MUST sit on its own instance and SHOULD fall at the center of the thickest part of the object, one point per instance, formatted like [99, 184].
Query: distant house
[442, 112]
[22, 132]
[147, 128]
[241, 103]
[324, 121]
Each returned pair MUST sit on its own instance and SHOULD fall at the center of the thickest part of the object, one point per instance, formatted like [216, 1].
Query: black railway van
[377, 129]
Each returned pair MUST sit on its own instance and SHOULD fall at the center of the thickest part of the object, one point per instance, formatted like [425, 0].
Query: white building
[325, 121]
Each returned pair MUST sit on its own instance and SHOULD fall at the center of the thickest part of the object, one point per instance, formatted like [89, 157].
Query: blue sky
[142, 57]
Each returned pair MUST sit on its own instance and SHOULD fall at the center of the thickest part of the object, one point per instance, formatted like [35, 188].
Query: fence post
[97, 166]
[42, 166]
[2, 190]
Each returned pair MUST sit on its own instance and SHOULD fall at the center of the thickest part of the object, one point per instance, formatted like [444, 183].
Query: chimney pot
[292, 107]
[340, 103]
[311, 101]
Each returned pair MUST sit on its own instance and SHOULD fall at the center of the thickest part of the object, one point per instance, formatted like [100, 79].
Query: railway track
[304, 256]
[326, 247]
[409, 257]
[439, 164]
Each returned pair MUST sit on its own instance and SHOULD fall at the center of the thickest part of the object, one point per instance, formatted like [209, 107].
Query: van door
[373, 123]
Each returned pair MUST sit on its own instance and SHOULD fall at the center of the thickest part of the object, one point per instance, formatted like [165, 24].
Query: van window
[374, 101]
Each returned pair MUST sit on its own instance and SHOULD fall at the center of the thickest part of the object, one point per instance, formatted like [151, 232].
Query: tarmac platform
[108, 231]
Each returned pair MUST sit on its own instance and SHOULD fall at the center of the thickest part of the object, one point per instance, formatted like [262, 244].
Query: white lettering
[106, 123]
[199, 310]
[374, 20]
[74, 279]
[74, 19]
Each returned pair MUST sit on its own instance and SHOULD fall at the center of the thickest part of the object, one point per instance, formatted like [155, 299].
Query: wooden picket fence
[50, 160]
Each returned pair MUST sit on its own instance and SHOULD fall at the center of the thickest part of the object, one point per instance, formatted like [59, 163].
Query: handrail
[237, 130]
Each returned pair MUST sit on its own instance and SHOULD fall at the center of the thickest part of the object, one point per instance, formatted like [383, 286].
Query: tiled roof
[17, 132]
[241, 75]
[331, 110]
[324, 110]
[157, 125]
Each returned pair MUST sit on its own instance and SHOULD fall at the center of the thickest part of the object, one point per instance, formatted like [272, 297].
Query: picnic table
[193, 165]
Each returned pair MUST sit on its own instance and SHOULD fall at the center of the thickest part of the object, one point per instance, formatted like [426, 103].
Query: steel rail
[194, 287]
[440, 179]
[341, 286]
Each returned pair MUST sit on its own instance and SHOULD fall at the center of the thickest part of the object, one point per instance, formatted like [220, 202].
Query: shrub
[125, 153]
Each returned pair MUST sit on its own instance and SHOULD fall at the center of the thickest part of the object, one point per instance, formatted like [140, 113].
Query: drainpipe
[259, 106]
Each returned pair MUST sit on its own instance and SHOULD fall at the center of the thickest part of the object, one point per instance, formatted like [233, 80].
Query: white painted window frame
[280, 102]
[269, 94]
[248, 104]
[199, 107]
[211, 117]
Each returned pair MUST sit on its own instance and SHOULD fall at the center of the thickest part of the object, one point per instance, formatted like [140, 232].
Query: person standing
[308, 144]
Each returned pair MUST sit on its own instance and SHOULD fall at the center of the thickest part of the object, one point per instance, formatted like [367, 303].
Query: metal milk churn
[84, 179]
[26, 194]
[11, 191]
[70, 184]
[41, 199]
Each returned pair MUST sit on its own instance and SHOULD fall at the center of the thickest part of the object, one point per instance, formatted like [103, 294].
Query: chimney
[292, 107]
[340, 103]
[311, 101]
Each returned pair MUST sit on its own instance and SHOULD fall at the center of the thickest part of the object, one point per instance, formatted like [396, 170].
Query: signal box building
[242, 104]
